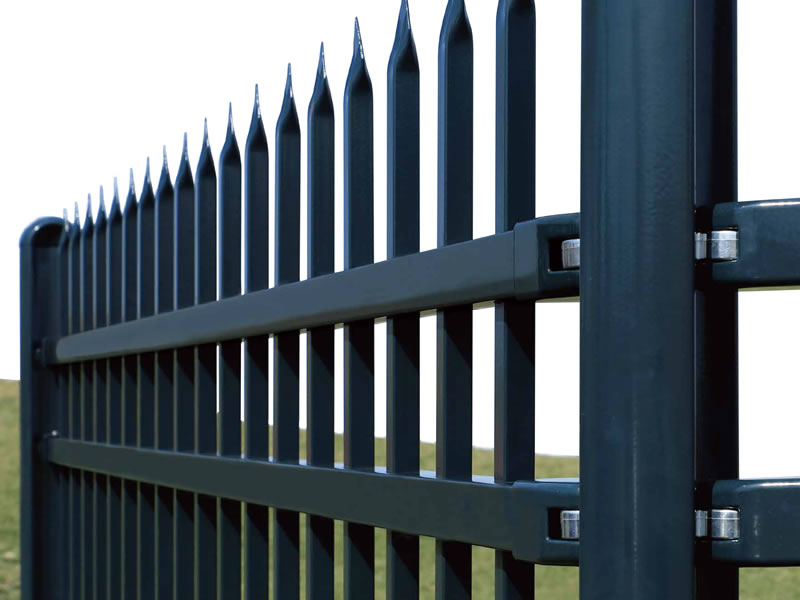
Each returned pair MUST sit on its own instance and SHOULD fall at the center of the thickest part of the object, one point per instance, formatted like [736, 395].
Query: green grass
[552, 583]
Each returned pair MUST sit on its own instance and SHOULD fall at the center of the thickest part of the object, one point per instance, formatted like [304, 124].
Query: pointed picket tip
[132, 184]
[76, 217]
[88, 210]
[358, 42]
[289, 90]
[185, 151]
[147, 180]
[322, 72]
[456, 22]
[116, 190]
[230, 119]
[165, 163]
[206, 143]
[404, 49]
[257, 105]
[102, 209]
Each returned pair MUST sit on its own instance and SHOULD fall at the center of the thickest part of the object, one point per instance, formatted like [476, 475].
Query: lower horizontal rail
[517, 518]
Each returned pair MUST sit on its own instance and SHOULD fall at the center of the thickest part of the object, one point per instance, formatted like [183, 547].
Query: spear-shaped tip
[116, 189]
[358, 44]
[289, 91]
[132, 185]
[102, 201]
[88, 208]
[77, 215]
[257, 104]
[321, 71]
[205, 132]
[165, 165]
[405, 12]
[185, 152]
[147, 172]
[230, 118]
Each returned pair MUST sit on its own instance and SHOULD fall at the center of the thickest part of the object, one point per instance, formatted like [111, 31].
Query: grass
[552, 583]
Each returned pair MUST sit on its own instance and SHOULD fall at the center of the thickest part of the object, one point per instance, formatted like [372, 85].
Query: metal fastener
[724, 524]
[571, 254]
[724, 245]
[570, 524]
[700, 246]
[701, 523]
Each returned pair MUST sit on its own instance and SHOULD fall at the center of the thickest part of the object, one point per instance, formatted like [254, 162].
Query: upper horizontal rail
[512, 264]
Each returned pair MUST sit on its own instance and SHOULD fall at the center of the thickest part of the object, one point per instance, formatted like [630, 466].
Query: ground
[552, 583]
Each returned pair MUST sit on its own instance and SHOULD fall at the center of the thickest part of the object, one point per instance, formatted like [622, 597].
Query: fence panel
[134, 327]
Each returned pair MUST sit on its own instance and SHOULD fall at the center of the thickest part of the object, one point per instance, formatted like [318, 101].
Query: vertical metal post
[86, 401]
[716, 322]
[454, 325]
[74, 413]
[184, 374]
[114, 396]
[130, 391]
[515, 201]
[164, 389]
[359, 337]
[637, 300]
[256, 350]
[145, 417]
[100, 433]
[319, 341]
[230, 360]
[205, 367]
[41, 485]
[402, 331]
[285, 435]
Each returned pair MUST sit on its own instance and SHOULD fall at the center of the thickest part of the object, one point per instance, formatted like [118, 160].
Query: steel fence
[134, 484]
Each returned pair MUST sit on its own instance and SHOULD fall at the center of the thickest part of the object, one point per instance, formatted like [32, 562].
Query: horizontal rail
[514, 518]
[769, 530]
[513, 264]
[769, 243]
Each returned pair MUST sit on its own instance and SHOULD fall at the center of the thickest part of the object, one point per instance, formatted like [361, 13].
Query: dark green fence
[135, 486]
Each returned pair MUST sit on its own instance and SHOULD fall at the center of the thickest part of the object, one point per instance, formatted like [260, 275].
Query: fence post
[42, 486]
[637, 300]
[716, 326]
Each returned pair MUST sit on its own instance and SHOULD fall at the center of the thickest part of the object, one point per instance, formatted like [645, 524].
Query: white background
[90, 89]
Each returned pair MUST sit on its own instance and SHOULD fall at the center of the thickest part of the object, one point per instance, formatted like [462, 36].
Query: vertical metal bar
[86, 416]
[402, 331]
[285, 442]
[319, 372]
[205, 366]
[183, 569]
[716, 320]
[164, 389]
[230, 359]
[74, 412]
[100, 434]
[256, 350]
[42, 248]
[130, 389]
[359, 337]
[515, 201]
[114, 397]
[454, 325]
[145, 418]
[637, 301]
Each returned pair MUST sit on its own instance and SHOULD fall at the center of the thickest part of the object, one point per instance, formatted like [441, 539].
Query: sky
[92, 89]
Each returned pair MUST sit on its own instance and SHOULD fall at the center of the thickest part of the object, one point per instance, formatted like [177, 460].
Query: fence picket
[130, 392]
[403, 331]
[256, 350]
[515, 201]
[230, 428]
[454, 325]
[164, 388]
[145, 435]
[184, 373]
[319, 341]
[285, 442]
